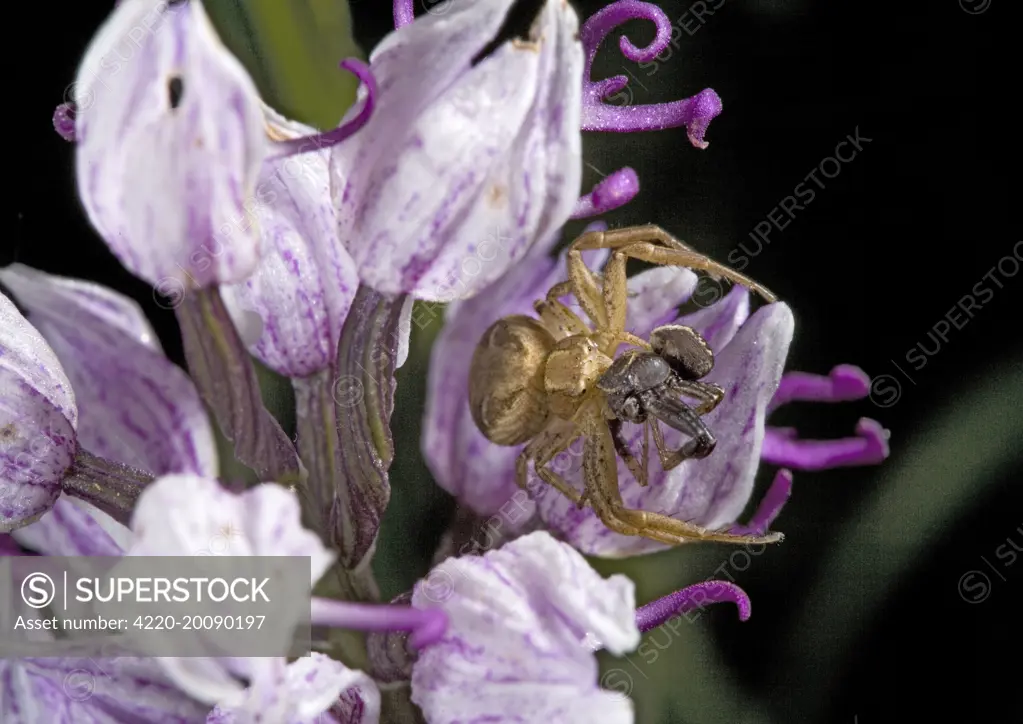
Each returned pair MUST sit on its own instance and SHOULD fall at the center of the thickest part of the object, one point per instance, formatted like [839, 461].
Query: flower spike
[694, 113]
[691, 599]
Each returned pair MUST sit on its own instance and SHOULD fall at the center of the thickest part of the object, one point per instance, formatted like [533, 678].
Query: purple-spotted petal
[519, 646]
[38, 418]
[290, 311]
[91, 691]
[135, 405]
[156, 84]
[710, 492]
[314, 689]
[462, 167]
[479, 473]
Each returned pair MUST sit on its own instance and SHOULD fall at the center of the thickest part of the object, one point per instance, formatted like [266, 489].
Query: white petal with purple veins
[38, 417]
[303, 692]
[462, 167]
[305, 282]
[519, 646]
[170, 140]
[74, 528]
[711, 492]
[135, 405]
[92, 691]
[189, 515]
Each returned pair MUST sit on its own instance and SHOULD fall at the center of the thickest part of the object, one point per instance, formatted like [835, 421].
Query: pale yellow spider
[550, 380]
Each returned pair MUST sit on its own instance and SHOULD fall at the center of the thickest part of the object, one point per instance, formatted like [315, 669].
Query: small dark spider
[641, 384]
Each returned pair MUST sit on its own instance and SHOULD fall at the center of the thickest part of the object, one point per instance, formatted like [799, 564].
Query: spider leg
[601, 474]
[638, 469]
[670, 459]
[683, 418]
[559, 318]
[659, 255]
[655, 245]
[617, 238]
[708, 394]
[541, 450]
[584, 285]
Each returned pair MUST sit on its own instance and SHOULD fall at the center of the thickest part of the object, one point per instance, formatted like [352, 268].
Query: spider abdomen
[507, 398]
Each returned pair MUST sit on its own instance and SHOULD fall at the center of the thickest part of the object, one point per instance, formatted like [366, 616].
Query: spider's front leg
[655, 245]
[601, 474]
[638, 469]
[709, 395]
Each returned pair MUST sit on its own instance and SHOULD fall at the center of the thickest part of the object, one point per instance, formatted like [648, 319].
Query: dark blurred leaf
[926, 485]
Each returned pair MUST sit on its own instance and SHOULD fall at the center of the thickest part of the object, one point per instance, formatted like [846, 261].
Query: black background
[883, 252]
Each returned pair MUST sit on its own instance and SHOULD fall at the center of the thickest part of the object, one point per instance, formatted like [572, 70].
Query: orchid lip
[345, 130]
[690, 599]
[425, 626]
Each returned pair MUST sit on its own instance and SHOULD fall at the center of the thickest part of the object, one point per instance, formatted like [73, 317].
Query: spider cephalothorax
[551, 380]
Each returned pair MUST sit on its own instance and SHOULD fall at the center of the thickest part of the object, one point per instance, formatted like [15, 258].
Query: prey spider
[550, 380]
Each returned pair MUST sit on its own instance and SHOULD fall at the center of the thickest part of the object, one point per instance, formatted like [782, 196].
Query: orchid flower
[526, 620]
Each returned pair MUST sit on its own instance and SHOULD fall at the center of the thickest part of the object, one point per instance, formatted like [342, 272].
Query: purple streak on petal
[333, 137]
[844, 383]
[427, 626]
[775, 499]
[694, 113]
[690, 599]
[869, 447]
[403, 14]
[64, 121]
[616, 190]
